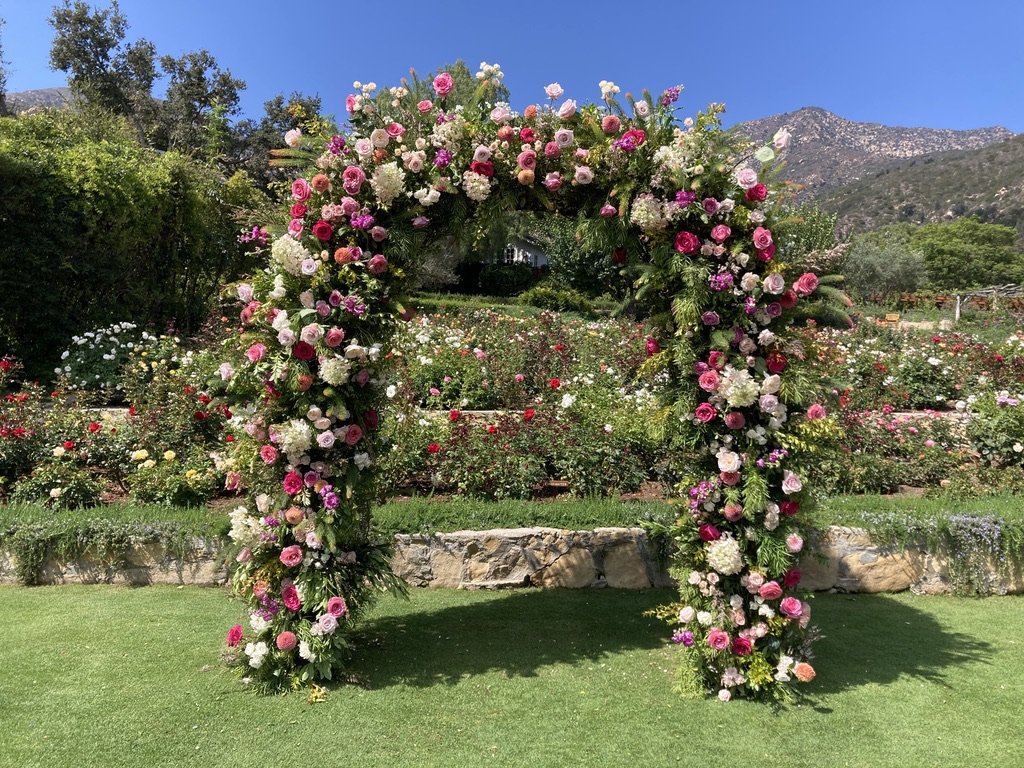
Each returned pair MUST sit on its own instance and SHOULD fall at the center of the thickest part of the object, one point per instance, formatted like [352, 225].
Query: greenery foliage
[129, 233]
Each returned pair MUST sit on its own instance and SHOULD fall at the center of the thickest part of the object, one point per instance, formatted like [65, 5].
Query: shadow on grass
[867, 639]
[515, 632]
[876, 639]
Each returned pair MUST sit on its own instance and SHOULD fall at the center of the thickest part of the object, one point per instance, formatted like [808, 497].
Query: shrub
[996, 428]
[94, 359]
[887, 268]
[558, 299]
[505, 279]
[59, 484]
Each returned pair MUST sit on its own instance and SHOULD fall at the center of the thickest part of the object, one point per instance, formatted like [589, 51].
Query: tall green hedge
[95, 229]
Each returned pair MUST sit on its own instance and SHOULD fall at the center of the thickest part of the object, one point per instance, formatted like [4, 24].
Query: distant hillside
[986, 183]
[828, 152]
[42, 97]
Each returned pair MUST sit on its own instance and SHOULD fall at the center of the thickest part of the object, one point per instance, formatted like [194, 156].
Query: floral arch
[684, 210]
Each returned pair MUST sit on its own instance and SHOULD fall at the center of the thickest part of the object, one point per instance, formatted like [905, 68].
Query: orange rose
[803, 672]
[320, 183]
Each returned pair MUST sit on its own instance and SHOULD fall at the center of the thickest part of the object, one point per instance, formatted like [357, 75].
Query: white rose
[729, 461]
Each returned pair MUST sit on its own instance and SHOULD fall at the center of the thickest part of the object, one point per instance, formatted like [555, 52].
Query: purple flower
[722, 281]
[335, 145]
[710, 318]
[711, 205]
[683, 636]
[671, 95]
[362, 222]
[684, 197]
[443, 156]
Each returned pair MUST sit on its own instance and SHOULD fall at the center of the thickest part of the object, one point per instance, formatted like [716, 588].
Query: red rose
[776, 362]
[789, 508]
[322, 230]
[528, 414]
[433, 448]
[788, 299]
[484, 168]
[454, 414]
[69, 445]
[6, 365]
[204, 398]
[235, 635]
[708, 532]
[554, 383]
[741, 646]
[791, 578]
[717, 360]
[757, 193]
[492, 429]
[619, 256]
[303, 350]
[94, 427]
[526, 135]
[298, 211]
[201, 415]
[687, 242]
[765, 254]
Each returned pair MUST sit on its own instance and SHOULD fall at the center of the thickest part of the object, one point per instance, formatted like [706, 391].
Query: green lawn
[105, 676]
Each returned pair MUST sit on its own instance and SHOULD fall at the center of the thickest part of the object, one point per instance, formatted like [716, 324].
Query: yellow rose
[170, 455]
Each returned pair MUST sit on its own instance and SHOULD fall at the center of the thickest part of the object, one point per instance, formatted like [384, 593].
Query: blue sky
[926, 63]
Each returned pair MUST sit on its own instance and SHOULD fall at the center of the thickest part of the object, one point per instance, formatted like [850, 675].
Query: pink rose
[718, 639]
[553, 181]
[337, 606]
[732, 512]
[791, 607]
[762, 238]
[567, 110]
[709, 380]
[395, 130]
[291, 556]
[353, 435]
[256, 352]
[687, 242]
[794, 543]
[708, 532]
[610, 124]
[705, 413]
[352, 179]
[443, 84]
[286, 641]
[424, 106]
[720, 233]
[301, 190]
[746, 177]
[269, 454]
[378, 264]
[583, 174]
[527, 159]
[806, 284]
[729, 478]
[334, 337]
[235, 635]
[770, 591]
[791, 483]
[292, 483]
[815, 412]
[608, 210]
[290, 598]
[295, 227]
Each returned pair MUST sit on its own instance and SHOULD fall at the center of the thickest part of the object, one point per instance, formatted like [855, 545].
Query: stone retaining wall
[844, 560]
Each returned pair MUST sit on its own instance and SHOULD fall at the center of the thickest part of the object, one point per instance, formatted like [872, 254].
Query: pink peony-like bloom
[583, 174]
[705, 413]
[291, 556]
[334, 337]
[286, 641]
[791, 607]
[443, 84]
[610, 124]
[735, 420]
[337, 606]
[527, 159]
[290, 598]
[295, 227]
[718, 639]
[732, 512]
[553, 181]
[720, 233]
[268, 454]
[424, 106]
[709, 380]
[770, 590]
[292, 483]
[608, 210]
[806, 284]
[378, 264]
[301, 190]
[235, 635]
[687, 242]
